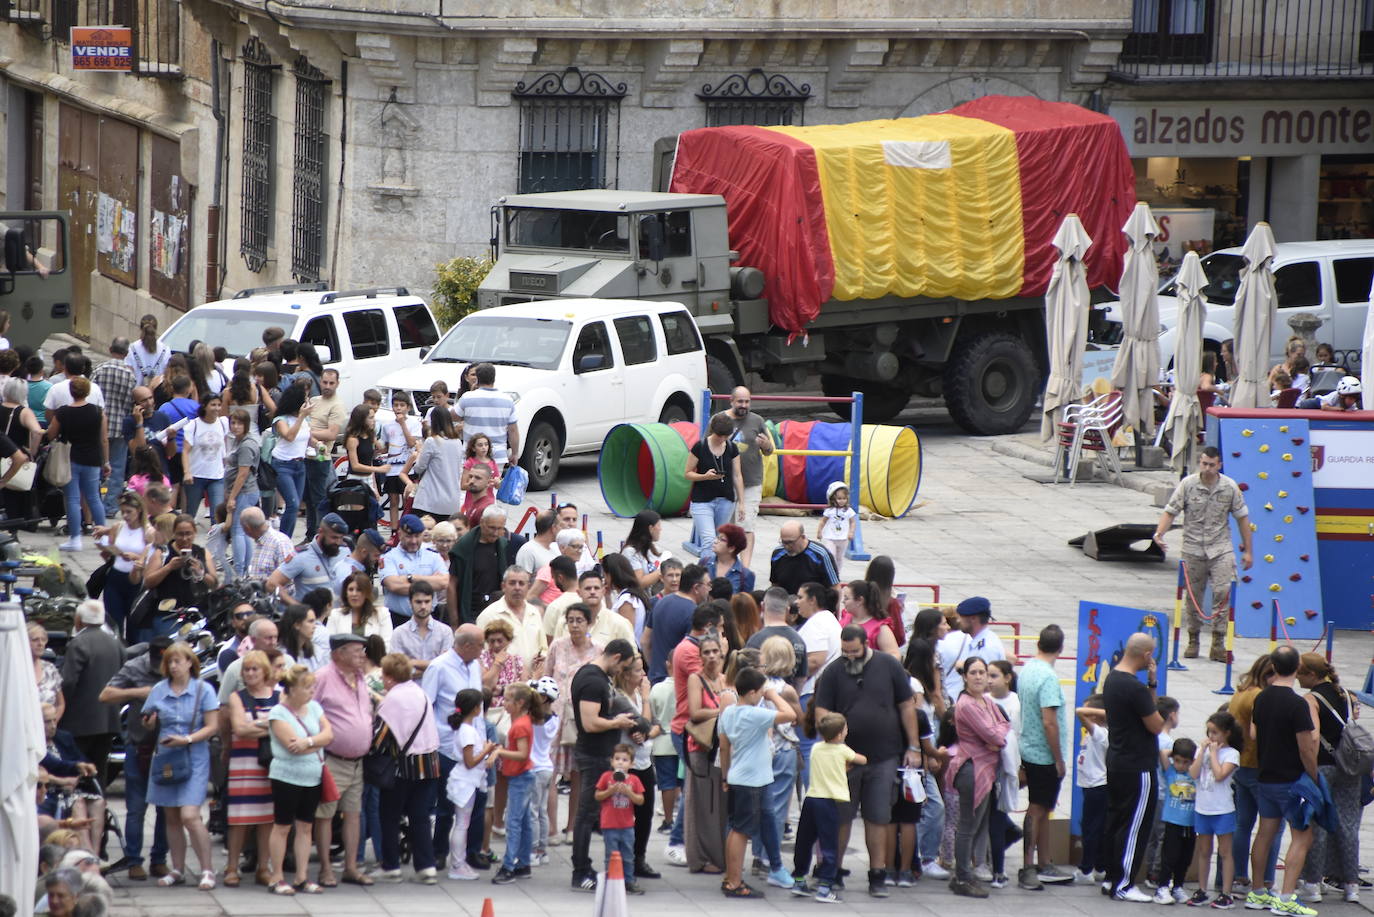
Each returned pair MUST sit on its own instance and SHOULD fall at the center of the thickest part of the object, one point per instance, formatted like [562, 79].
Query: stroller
[354, 501]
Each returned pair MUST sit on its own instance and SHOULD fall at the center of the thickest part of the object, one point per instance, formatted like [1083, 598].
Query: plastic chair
[1090, 427]
[1288, 398]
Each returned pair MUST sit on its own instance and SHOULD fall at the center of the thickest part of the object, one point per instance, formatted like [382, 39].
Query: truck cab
[35, 280]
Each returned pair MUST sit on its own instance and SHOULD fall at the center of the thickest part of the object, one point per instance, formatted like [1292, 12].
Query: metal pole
[705, 411]
[1330, 638]
[856, 422]
[1273, 625]
[1174, 664]
[1230, 642]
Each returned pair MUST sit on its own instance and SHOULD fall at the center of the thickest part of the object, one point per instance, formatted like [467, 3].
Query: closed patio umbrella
[21, 723]
[1184, 419]
[1367, 354]
[1136, 370]
[1066, 322]
[1256, 304]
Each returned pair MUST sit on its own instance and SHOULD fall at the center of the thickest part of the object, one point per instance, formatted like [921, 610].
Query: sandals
[309, 888]
[231, 879]
[742, 890]
[357, 878]
[207, 881]
[173, 877]
[283, 888]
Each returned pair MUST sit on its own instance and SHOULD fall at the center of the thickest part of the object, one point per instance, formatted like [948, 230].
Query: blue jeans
[371, 826]
[675, 838]
[1247, 811]
[118, 597]
[114, 486]
[706, 518]
[317, 475]
[291, 486]
[241, 545]
[85, 484]
[621, 841]
[804, 751]
[931, 828]
[777, 797]
[136, 807]
[519, 825]
[196, 491]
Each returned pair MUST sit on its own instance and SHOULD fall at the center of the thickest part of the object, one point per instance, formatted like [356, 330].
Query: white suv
[577, 367]
[364, 334]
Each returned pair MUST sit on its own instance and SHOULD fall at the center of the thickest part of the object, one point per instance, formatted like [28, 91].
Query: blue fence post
[856, 436]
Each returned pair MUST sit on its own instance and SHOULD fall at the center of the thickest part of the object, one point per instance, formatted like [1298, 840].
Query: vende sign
[1245, 128]
[103, 48]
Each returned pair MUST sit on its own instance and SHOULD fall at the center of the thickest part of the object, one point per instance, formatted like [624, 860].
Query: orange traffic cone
[488, 909]
[610, 891]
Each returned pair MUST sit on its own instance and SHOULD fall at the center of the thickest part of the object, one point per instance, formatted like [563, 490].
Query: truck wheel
[719, 379]
[673, 413]
[541, 455]
[990, 383]
[881, 402]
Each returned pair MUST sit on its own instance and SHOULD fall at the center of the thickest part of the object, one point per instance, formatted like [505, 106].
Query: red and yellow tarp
[961, 204]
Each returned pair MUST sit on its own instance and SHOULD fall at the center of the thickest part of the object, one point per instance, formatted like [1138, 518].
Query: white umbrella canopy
[1136, 369]
[21, 723]
[1066, 322]
[1184, 419]
[1256, 304]
[1367, 354]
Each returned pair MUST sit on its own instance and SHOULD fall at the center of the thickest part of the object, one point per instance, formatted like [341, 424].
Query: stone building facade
[358, 143]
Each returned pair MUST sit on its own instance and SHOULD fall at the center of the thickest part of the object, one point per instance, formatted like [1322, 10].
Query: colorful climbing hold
[1283, 429]
[1290, 620]
[1275, 587]
[1263, 475]
[1264, 447]
[1245, 579]
[1254, 527]
[1297, 440]
[1235, 455]
[1287, 518]
[1256, 604]
[1304, 557]
[1297, 474]
[1247, 433]
[1303, 509]
[1278, 538]
[1269, 558]
[1311, 613]
[1269, 506]
[1296, 577]
[1288, 456]
[1283, 494]
[1243, 486]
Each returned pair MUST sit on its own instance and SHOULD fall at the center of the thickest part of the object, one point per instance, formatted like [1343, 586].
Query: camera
[618, 776]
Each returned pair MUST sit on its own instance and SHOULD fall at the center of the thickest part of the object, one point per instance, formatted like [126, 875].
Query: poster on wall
[1102, 634]
[102, 47]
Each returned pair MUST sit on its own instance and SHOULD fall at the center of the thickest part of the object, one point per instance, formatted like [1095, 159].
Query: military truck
[35, 284]
[897, 258]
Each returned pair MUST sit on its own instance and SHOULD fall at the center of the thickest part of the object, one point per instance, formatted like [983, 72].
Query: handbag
[513, 486]
[23, 478]
[381, 766]
[95, 583]
[706, 733]
[329, 790]
[264, 743]
[57, 471]
[1354, 751]
[171, 766]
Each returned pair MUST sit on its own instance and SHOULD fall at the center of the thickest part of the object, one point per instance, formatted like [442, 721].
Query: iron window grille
[155, 24]
[259, 139]
[565, 125]
[756, 98]
[307, 206]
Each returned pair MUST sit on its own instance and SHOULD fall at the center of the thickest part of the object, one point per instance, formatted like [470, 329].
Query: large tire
[673, 413]
[541, 456]
[990, 383]
[881, 402]
[719, 379]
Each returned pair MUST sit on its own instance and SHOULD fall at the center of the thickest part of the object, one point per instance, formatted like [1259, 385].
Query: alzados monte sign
[103, 48]
[1245, 128]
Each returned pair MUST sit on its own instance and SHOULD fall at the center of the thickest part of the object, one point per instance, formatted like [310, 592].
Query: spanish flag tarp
[963, 204]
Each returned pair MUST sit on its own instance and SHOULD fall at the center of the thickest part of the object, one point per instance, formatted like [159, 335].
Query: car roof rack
[371, 293]
[318, 286]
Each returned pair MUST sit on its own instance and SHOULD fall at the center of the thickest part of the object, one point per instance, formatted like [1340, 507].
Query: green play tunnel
[642, 466]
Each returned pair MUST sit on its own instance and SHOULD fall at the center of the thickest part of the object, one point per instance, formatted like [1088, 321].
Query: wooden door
[77, 191]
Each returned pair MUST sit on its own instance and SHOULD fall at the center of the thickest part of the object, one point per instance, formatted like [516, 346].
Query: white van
[577, 367]
[364, 334]
[1329, 279]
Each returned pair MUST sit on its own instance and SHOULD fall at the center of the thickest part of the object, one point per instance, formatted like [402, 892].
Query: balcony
[1248, 40]
[156, 26]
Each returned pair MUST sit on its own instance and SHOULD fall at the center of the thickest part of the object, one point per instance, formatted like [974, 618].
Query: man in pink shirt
[341, 690]
[686, 659]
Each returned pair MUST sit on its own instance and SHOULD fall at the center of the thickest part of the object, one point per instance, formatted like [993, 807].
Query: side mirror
[651, 233]
[324, 353]
[424, 352]
[589, 362]
[16, 252]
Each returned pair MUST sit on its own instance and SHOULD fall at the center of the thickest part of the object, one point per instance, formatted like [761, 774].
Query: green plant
[455, 288]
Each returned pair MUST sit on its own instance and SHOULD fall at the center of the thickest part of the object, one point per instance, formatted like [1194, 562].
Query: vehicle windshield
[236, 330]
[582, 230]
[1223, 279]
[534, 342]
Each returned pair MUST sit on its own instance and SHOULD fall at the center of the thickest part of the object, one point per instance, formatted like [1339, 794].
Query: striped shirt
[273, 549]
[485, 410]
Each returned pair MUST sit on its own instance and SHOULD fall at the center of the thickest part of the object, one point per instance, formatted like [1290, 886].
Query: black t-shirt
[798, 645]
[592, 683]
[1331, 728]
[84, 428]
[486, 576]
[724, 487]
[1280, 714]
[869, 702]
[1130, 746]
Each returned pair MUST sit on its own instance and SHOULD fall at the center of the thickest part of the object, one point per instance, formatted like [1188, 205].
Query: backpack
[1354, 751]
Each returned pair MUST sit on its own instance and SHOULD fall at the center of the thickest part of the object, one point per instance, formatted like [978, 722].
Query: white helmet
[1349, 385]
[545, 686]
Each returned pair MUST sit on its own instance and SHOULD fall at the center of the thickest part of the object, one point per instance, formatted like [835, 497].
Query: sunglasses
[240, 615]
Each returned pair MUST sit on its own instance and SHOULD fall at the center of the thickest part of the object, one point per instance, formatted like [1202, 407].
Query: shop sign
[102, 48]
[1343, 458]
[1223, 129]
[1179, 226]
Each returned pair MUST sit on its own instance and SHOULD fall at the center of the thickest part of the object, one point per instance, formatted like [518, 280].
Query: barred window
[565, 121]
[259, 139]
[756, 98]
[307, 205]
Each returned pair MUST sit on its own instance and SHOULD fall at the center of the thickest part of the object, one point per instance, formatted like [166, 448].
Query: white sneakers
[676, 856]
[1310, 892]
[1163, 896]
[933, 869]
[1139, 897]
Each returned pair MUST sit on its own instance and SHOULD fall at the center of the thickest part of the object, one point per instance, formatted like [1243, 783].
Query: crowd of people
[461, 683]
